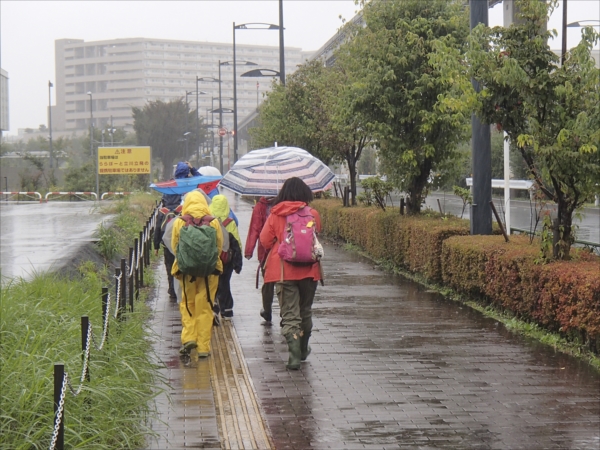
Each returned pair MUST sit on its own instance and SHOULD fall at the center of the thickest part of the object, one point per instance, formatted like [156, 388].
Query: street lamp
[253, 26]
[50, 85]
[92, 141]
[185, 138]
[91, 125]
[212, 80]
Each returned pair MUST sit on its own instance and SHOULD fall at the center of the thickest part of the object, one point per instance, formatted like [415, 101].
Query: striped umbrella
[263, 172]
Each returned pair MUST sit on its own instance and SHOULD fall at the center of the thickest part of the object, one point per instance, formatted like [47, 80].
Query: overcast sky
[28, 30]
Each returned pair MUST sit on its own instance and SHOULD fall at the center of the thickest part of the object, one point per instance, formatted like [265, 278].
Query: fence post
[141, 258]
[119, 290]
[85, 325]
[123, 296]
[402, 206]
[136, 274]
[105, 311]
[59, 380]
[148, 242]
[131, 278]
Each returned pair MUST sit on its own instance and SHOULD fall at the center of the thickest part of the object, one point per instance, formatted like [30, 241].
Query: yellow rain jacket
[195, 205]
[197, 327]
[219, 207]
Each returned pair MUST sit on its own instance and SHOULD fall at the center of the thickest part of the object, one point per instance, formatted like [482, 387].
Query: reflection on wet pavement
[392, 365]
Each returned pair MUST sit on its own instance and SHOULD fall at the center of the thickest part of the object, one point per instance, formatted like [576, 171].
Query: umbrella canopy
[263, 172]
[184, 185]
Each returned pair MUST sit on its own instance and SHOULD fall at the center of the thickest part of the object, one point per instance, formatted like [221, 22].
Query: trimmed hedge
[561, 296]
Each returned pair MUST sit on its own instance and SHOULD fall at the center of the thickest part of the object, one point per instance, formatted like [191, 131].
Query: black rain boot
[294, 348]
[304, 347]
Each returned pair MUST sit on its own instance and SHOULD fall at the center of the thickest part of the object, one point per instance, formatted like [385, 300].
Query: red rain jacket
[270, 237]
[257, 221]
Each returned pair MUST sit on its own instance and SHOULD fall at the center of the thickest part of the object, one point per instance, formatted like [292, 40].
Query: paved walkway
[392, 366]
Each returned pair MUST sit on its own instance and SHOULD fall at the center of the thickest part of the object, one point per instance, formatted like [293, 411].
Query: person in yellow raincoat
[197, 329]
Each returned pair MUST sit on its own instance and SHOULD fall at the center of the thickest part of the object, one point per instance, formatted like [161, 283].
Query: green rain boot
[294, 348]
[304, 347]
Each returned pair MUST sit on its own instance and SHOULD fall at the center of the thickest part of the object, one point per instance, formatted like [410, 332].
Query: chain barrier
[118, 288]
[59, 412]
[91, 338]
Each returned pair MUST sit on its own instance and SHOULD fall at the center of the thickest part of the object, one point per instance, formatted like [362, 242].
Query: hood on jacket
[195, 205]
[182, 170]
[219, 207]
[286, 208]
[171, 201]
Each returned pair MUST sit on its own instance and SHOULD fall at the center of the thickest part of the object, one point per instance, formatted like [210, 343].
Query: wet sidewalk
[392, 366]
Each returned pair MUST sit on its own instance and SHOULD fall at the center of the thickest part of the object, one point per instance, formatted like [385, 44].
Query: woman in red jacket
[260, 212]
[295, 284]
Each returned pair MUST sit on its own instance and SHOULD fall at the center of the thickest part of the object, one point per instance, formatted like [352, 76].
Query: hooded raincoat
[260, 213]
[198, 327]
[270, 237]
[219, 208]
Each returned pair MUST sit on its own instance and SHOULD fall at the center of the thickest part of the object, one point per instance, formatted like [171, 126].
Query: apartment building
[4, 117]
[123, 73]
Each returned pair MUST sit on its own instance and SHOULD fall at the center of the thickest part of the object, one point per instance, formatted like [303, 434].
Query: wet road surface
[392, 365]
[37, 237]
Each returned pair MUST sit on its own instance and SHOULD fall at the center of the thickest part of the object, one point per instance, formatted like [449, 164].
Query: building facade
[4, 114]
[124, 73]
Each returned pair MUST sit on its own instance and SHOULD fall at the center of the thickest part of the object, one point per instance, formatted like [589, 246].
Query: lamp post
[251, 26]
[212, 80]
[92, 142]
[50, 85]
[91, 125]
[187, 113]
[185, 138]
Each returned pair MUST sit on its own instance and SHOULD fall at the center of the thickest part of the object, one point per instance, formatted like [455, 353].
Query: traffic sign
[222, 131]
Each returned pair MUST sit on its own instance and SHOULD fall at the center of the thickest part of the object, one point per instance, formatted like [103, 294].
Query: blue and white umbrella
[263, 172]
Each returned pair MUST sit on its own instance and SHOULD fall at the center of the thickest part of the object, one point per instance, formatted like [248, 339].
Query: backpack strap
[227, 221]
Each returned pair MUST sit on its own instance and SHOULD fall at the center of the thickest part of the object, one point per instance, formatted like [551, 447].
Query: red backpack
[299, 238]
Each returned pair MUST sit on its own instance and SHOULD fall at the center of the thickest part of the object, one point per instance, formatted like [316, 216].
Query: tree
[551, 111]
[397, 88]
[294, 115]
[161, 126]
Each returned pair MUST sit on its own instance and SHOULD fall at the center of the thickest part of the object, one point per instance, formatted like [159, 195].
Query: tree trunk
[415, 191]
[562, 248]
[352, 170]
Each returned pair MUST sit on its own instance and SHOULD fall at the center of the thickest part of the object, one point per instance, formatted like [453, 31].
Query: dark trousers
[169, 260]
[224, 297]
[268, 290]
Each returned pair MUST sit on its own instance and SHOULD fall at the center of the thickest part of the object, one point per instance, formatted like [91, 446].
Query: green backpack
[196, 252]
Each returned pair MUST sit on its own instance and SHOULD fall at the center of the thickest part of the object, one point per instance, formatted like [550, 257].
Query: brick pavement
[396, 366]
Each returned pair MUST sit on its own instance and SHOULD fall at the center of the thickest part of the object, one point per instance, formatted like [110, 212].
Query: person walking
[295, 283]
[219, 208]
[196, 307]
[260, 212]
[170, 203]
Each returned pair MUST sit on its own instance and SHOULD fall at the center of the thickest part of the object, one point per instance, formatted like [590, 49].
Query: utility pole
[481, 148]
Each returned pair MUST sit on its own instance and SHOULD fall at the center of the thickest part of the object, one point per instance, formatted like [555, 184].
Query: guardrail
[73, 194]
[113, 194]
[26, 194]
[130, 274]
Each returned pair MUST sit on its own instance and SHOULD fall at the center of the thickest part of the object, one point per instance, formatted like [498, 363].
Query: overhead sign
[124, 160]
[222, 131]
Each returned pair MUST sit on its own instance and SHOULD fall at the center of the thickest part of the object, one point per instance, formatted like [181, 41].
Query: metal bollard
[85, 326]
[123, 295]
[105, 311]
[59, 380]
[131, 278]
[141, 258]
